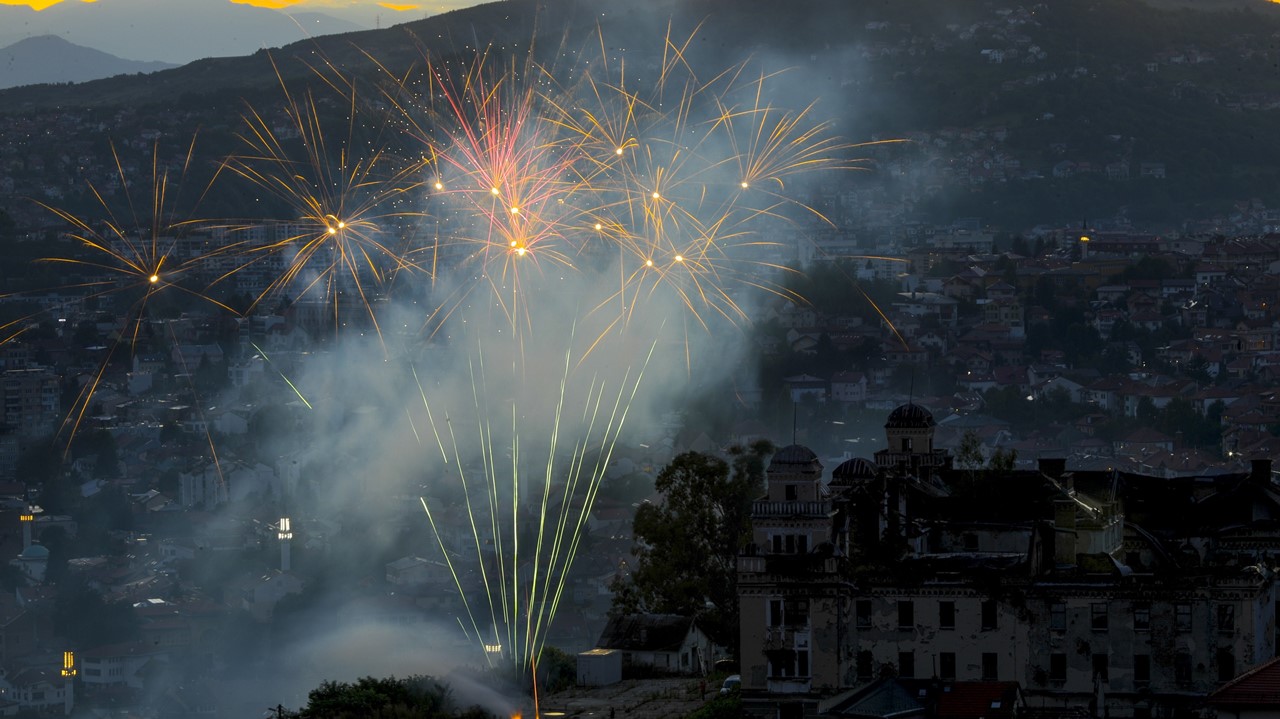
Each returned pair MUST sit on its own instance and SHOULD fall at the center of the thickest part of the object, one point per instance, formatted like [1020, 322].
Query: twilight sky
[180, 31]
[364, 12]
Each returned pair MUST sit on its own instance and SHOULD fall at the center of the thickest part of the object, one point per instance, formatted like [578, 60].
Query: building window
[795, 612]
[990, 666]
[1141, 668]
[989, 614]
[1058, 616]
[1226, 617]
[791, 493]
[1182, 617]
[1226, 665]
[947, 665]
[1141, 616]
[907, 665]
[947, 615]
[906, 444]
[1098, 616]
[906, 615]
[1058, 668]
[1182, 668]
[802, 662]
[970, 542]
[1100, 667]
[776, 541]
[862, 613]
[788, 612]
[865, 664]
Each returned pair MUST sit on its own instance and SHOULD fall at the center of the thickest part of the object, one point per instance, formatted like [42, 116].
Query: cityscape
[586, 359]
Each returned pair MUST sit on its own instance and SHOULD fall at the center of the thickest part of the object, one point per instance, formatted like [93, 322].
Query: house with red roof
[1252, 695]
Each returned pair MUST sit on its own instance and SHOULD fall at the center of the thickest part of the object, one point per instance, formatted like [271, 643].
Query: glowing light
[493, 190]
[153, 279]
[1084, 238]
[68, 664]
[599, 226]
[333, 230]
[439, 185]
[679, 258]
[648, 263]
[656, 195]
[618, 151]
[515, 210]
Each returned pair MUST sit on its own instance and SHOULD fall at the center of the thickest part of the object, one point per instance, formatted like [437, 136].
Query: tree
[687, 547]
[969, 454]
[414, 697]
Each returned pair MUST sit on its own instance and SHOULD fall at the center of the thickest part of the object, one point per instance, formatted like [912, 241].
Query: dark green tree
[687, 546]
[414, 697]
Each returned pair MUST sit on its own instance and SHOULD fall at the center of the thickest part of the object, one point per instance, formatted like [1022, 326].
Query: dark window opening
[906, 615]
[947, 665]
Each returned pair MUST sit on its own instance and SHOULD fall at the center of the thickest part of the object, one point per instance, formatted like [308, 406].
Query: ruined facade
[1123, 595]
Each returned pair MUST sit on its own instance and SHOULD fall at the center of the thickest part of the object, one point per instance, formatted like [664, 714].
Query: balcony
[790, 509]
[788, 685]
[787, 564]
[786, 637]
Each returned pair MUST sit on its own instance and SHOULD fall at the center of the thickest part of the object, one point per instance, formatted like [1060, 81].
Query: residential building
[1120, 594]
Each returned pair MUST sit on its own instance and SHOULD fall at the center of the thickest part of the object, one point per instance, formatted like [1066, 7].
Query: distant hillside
[49, 59]
[1018, 113]
[174, 31]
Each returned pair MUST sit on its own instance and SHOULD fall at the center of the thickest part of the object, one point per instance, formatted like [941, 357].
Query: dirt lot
[632, 699]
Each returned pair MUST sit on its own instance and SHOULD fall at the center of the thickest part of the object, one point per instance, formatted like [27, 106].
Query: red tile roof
[1255, 688]
[974, 700]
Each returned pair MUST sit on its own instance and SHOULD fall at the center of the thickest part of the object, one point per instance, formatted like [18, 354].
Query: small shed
[599, 667]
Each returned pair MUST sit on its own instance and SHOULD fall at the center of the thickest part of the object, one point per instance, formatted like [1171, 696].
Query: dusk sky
[180, 31]
[354, 10]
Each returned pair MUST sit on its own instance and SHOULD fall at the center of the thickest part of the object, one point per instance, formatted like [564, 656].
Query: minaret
[285, 535]
[68, 677]
[27, 518]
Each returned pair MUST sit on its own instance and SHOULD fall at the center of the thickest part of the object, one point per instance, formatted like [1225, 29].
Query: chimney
[1064, 535]
[1260, 472]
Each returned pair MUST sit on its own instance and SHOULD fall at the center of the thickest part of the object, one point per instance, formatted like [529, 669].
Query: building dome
[910, 416]
[793, 458]
[853, 470]
[35, 552]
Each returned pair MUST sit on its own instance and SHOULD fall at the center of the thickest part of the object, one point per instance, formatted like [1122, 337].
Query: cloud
[37, 5]
[271, 4]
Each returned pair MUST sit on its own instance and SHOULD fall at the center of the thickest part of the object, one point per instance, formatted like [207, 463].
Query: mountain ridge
[51, 59]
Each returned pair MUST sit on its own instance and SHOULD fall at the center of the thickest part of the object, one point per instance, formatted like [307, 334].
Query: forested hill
[1187, 93]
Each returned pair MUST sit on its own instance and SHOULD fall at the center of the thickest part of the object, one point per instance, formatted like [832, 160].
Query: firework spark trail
[530, 183]
[341, 201]
[134, 250]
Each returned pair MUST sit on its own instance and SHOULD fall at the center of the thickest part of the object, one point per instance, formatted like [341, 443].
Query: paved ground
[632, 699]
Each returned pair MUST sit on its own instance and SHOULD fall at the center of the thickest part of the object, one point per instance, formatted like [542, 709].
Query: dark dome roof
[910, 416]
[852, 470]
[794, 454]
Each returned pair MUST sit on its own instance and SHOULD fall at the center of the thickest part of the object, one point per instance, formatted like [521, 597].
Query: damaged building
[1095, 592]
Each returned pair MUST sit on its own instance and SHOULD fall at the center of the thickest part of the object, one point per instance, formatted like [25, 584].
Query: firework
[347, 194]
[136, 251]
[594, 216]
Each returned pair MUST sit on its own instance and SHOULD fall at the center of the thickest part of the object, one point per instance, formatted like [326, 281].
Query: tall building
[1122, 595]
